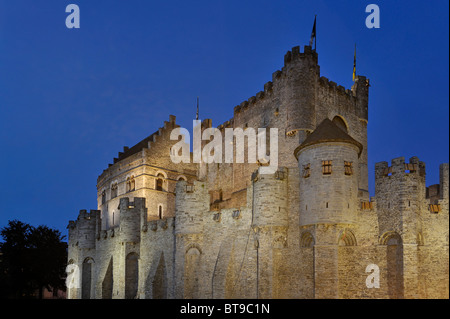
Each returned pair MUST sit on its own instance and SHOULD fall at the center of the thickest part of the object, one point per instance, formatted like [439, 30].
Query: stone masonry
[188, 230]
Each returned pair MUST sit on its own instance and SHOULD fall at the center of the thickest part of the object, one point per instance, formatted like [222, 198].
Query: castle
[309, 230]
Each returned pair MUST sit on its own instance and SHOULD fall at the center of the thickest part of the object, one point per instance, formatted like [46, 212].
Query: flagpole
[197, 110]
[315, 34]
[354, 65]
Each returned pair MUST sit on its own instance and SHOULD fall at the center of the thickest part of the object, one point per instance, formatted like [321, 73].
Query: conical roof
[326, 132]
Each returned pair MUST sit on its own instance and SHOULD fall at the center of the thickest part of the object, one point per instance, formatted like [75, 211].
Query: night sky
[70, 99]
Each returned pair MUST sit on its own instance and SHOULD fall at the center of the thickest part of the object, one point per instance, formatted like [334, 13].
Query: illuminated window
[348, 168]
[326, 167]
[159, 182]
[306, 170]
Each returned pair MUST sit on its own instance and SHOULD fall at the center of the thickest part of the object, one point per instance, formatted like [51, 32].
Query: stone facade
[187, 230]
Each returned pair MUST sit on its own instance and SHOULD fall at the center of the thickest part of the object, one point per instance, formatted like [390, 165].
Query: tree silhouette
[32, 258]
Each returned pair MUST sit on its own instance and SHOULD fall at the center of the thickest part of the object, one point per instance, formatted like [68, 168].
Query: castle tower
[82, 253]
[329, 183]
[401, 206]
[298, 95]
[191, 203]
[131, 216]
[328, 200]
[270, 225]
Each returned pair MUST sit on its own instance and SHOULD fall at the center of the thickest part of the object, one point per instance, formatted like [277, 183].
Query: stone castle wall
[229, 231]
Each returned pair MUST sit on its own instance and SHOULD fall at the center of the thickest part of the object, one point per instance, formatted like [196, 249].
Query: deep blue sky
[70, 99]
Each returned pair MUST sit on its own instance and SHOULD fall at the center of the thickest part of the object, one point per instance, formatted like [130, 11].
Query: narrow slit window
[326, 167]
[306, 170]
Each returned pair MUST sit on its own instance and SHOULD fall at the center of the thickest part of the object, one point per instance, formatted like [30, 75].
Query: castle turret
[130, 219]
[270, 199]
[400, 192]
[191, 203]
[401, 206]
[270, 224]
[84, 230]
[298, 96]
[329, 181]
[328, 200]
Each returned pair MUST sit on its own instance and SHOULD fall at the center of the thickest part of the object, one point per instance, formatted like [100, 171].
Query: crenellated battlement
[85, 218]
[332, 86]
[82, 232]
[292, 57]
[295, 54]
[399, 168]
[308, 230]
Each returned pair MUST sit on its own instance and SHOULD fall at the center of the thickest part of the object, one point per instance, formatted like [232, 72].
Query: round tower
[301, 73]
[328, 162]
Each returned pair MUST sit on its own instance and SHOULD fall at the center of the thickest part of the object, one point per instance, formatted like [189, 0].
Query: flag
[354, 65]
[196, 117]
[313, 34]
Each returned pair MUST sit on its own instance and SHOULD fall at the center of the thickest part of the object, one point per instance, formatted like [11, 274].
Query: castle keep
[310, 230]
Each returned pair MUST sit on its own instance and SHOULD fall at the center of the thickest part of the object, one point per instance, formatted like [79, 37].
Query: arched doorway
[86, 278]
[394, 260]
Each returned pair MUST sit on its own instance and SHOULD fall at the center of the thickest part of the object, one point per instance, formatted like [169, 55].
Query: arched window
[307, 240]
[131, 185]
[114, 187]
[103, 197]
[159, 182]
[347, 238]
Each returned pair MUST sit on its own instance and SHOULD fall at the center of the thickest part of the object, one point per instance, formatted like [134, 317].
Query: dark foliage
[31, 258]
